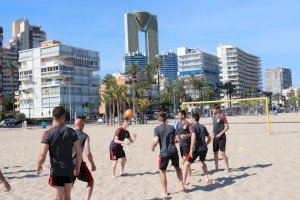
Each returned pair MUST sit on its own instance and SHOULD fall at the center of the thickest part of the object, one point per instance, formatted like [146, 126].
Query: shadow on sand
[225, 181]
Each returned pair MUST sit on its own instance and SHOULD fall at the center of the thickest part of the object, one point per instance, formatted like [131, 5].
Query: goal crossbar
[265, 99]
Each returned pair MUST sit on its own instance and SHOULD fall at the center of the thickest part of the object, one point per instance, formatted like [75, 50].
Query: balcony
[52, 83]
[59, 73]
[25, 87]
[25, 77]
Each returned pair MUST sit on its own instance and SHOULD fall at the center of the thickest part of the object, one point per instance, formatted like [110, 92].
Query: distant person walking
[60, 141]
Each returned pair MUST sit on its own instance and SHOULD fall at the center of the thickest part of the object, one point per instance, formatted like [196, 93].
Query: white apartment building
[56, 74]
[278, 79]
[241, 69]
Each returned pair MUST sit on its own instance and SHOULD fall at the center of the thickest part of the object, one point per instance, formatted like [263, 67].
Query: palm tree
[148, 73]
[252, 89]
[133, 74]
[156, 63]
[141, 105]
[106, 99]
[198, 84]
[230, 90]
[13, 67]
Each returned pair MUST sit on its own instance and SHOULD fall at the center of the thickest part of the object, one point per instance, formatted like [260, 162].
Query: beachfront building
[57, 74]
[136, 22]
[241, 69]
[278, 79]
[169, 65]
[138, 58]
[194, 61]
[26, 36]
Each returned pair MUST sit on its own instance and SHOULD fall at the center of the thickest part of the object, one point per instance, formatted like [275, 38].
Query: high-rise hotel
[241, 69]
[57, 74]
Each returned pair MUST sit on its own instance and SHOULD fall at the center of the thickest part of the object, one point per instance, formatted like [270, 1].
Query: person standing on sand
[6, 186]
[220, 126]
[164, 135]
[183, 130]
[84, 175]
[60, 141]
[198, 147]
[116, 149]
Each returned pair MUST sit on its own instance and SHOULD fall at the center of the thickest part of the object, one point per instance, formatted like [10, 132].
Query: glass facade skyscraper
[169, 65]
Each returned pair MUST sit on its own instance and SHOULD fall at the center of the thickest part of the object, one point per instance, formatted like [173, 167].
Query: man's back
[166, 136]
[201, 132]
[60, 140]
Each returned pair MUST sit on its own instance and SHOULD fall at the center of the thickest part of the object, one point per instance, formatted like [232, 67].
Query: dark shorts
[219, 144]
[200, 154]
[164, 161]
[85, 174]
[184, 151]
[117, 153]
[60, 181]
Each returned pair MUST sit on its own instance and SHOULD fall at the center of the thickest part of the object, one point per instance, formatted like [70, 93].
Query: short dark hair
[58, 112]
[183, 112]
[125, 119]
[196, 116]
[215, 106]
[162, 116]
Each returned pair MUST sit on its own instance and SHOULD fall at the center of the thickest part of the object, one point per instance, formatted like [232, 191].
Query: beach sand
[263, 166]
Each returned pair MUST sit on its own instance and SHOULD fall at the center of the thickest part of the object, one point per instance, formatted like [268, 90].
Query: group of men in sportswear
[66, 147]
[192, 144]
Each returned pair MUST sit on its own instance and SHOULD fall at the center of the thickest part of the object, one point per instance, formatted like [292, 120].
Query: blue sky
[267, 28]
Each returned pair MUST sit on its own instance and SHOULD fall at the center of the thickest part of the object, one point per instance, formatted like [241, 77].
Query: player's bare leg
[183, 163]
[57, 192]
[123, 163]
[206, 179]
[225, 160]
[216, 160]
[67, 191]
[89, 190]
[163, 180]
[179, 176]
[186, 168]
[114, 166]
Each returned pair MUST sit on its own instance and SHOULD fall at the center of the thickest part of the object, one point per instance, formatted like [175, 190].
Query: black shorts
[184, 151]
[164, 161]
[219, 144]
[60, 181]
[117, 153]
[85, 174]
[200, 154]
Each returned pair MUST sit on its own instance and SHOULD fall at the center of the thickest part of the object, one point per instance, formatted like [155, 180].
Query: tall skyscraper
[198, 63]
[56, 74]
[241, 69]
[278, 79]
[169, 65]
[26, 36]
[145, 22]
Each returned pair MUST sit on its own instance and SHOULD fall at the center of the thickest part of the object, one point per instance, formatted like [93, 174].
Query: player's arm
[42, 157]
[117, 141]
[154, 143]
[78, 151]
[6, 186]
[208, 139]
[88, 153]
[193, 142]
[134, 138]
[226, 127]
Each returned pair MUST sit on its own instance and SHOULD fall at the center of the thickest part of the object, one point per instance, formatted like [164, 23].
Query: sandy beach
[263, 166]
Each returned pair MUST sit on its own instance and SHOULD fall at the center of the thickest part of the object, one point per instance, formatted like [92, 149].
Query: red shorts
[85, 174]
